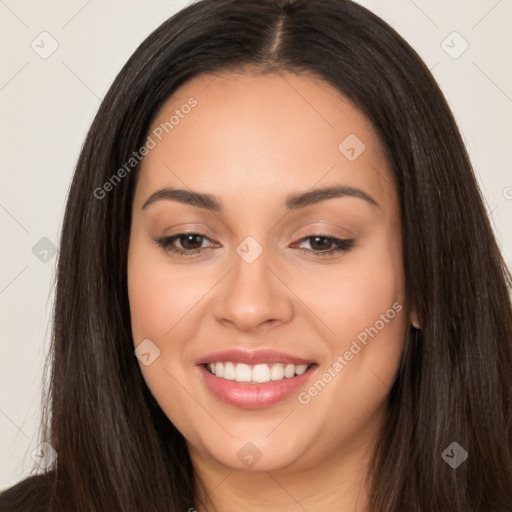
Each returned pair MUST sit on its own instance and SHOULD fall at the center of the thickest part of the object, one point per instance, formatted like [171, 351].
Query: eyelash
[340, 245]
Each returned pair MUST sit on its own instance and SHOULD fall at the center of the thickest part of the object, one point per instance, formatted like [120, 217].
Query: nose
[253, 296]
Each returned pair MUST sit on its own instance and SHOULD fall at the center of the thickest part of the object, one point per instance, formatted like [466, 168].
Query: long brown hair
[116, 448]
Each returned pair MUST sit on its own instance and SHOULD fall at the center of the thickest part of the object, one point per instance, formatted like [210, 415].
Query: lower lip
[254, 396]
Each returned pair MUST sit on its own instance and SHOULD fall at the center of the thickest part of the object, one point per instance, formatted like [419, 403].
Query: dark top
[29, 495]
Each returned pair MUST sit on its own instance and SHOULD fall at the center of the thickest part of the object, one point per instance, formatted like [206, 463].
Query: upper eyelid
[312, 229]
[177, 236]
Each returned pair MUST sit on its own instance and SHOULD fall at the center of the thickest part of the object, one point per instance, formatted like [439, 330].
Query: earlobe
[414, 320]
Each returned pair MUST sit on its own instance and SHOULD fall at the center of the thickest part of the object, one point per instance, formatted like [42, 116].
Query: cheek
[352, 295]
[361, 305]
[161, 307]
[368, 294]
[159, 295]
[378, 313]
[368, 316]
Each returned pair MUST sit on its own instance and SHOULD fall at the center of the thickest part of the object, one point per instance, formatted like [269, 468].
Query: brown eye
[323, 245]
[191, 243]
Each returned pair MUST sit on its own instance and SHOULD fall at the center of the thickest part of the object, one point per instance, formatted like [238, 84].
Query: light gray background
[48, 104]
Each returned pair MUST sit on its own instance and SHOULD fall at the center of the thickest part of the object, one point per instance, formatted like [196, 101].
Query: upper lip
[252, 357]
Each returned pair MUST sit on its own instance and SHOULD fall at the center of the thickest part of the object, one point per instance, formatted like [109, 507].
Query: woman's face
[266, 283]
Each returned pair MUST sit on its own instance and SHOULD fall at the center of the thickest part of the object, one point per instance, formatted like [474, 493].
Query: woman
[278, 286]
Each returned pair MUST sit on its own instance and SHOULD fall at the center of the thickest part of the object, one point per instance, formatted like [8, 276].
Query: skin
[250, 141]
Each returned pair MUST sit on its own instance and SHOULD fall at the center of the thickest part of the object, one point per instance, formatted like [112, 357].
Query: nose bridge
[253, 295]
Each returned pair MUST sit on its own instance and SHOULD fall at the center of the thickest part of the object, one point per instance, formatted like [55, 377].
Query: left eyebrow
[301, 200]
[293, 201]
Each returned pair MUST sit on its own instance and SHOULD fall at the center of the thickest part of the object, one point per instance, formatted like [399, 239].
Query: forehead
[265, 135]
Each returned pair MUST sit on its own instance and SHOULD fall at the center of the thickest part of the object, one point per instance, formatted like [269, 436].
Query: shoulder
[29, 495]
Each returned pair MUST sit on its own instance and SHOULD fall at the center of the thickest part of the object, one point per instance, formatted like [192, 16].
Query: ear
[414, 320]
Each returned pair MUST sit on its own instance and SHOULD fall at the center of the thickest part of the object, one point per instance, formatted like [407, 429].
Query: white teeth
[289, 371]
[242, 372]
[277, 371]
[299, 370]
[259, 373]
[229, 371]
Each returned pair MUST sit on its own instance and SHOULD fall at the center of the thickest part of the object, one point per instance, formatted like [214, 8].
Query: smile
[255, 374]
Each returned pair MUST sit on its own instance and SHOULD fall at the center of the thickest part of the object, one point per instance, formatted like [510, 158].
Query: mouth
[255, 386]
